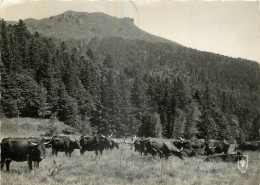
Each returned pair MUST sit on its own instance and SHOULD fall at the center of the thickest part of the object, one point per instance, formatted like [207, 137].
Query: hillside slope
[126, 86]
[28, 127]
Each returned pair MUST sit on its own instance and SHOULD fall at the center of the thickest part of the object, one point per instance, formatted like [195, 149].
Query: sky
[230, 28]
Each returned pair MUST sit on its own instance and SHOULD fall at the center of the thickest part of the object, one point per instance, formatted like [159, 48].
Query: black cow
[249, 145]
[198, 146]
[22, 149]
[161, 147]
[93, 143]
[139, 145]
[186, 145]
[64, 144]
[216, 146]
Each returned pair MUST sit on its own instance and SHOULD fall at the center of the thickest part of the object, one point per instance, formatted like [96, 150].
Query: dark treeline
[129, 87]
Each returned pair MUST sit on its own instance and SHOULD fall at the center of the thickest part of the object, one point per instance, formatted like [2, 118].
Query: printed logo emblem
[242, 163]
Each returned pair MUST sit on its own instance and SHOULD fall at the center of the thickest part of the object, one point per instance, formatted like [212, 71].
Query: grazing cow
[64, 144]
[22, 149]
[216, 146]
[186, 145]
[111, 143]
[249, 145]
[198, 146]
[93, 143]
[161, 147]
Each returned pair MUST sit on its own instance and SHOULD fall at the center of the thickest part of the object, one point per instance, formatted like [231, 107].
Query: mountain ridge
[72, 25]
[58, 27]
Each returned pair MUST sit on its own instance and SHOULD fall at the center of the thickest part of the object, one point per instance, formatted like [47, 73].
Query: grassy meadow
[125, 166]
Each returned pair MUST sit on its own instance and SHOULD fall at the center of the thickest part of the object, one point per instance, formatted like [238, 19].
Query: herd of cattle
[213, 149]
[32, 149]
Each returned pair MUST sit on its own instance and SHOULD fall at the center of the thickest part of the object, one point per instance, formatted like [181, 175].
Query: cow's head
[183, 143]
[76, 144]
[116, 144]
[110, 136]
[82, 140]
[47, 142]
[101, 139]
[37, 150]
[109, 141]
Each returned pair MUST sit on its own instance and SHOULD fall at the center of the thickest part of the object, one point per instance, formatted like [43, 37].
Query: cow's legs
[69, 154]
[7, 163]
[167, 155]
[56, 152]
[2, 162]
[53, 151]
[36, 164]
[30, 164]
[97, 156]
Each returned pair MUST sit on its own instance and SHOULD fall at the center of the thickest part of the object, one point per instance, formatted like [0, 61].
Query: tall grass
[124, 166]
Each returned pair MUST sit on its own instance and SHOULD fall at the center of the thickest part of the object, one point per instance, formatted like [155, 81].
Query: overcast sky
[228, 28]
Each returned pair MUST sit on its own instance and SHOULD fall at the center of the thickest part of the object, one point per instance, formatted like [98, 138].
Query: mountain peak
[75, 13]
[85, 26]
